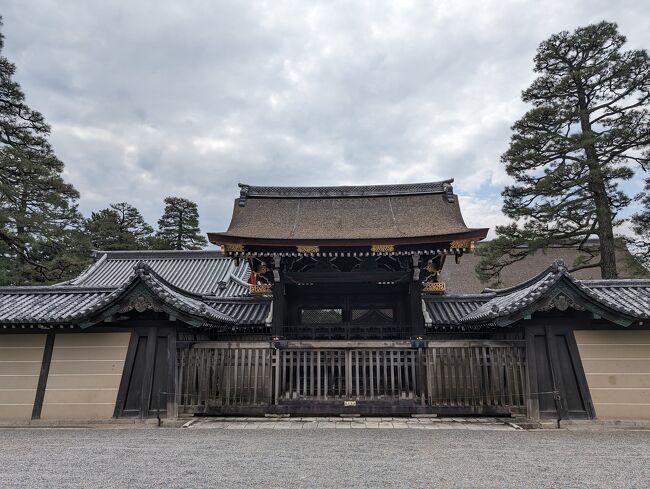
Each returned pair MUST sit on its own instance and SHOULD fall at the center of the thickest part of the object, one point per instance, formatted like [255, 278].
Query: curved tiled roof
[197, 272]
[204, 284]
[633, 294]
[172, 295]
[68, 304]
[245, 310]
[450, 309]
[506, 302]
[230, 304]
[237, 284]
[47, 304]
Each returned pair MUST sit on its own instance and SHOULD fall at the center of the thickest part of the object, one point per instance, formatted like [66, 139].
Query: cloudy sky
[154, 98]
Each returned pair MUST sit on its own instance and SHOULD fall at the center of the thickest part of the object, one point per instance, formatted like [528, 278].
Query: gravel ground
[322, 458]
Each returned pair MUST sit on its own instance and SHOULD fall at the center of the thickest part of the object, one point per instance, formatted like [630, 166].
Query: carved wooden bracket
[139, 303]
[562, 302]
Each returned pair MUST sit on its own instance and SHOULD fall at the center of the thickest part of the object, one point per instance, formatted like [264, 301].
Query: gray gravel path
[322, 458]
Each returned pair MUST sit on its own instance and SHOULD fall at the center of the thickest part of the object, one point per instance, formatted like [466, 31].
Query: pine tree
[120, 227]
[178, 228]
[639, 243]
[40, 238]
[588, 127]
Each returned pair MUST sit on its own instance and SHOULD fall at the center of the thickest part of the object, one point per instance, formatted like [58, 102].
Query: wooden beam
[42, 378]
[147, 378]
[347, 277]
[127, 372]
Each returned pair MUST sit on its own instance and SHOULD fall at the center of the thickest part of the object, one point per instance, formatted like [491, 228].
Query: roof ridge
[558, 267]
[246, 299]
[614, 282]
[96, 263]
[134, 254]
[53, 289]
[443, 186]
[458, 297]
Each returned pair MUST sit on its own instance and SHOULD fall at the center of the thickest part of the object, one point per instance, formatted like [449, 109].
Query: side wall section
[85, 375]
[21, 356]
[617, 366]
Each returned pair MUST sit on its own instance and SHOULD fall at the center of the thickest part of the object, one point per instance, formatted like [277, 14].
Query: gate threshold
[301, 423]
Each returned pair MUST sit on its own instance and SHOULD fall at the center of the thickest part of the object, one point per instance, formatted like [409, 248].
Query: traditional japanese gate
[368, 377]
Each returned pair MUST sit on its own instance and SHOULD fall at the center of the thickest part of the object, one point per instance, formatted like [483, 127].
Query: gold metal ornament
[434, 287]
[431, 268]
[468, 244]
[261, 289]
[232, 248]
[382, 248]
[308, 249]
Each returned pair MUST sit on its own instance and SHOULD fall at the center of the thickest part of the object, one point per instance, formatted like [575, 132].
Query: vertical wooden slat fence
[357, 374]
[218, 374]
[480, 373]
[215, 376]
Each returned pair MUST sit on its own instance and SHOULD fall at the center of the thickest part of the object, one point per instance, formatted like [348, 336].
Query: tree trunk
[21, 237]
[179, 236]
[605, 228]
[599, 192]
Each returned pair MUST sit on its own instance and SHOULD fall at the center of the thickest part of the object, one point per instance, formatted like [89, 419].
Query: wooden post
[348, 374]
[277, 322]
[172, 382]
[278, 310]
[45, 372]
[532, 401]
[422, 374]
[417, 317]
[278, 365]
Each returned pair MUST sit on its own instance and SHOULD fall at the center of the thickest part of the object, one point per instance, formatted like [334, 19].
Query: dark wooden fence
[477, 373]
[425, 376]
[224, 374]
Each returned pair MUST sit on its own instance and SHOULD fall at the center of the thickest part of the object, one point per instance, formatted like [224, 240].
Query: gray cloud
[148, 99]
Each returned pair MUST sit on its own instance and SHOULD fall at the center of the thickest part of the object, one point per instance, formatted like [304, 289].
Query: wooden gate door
[558, 383]
[369, 377]
[354, 377]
